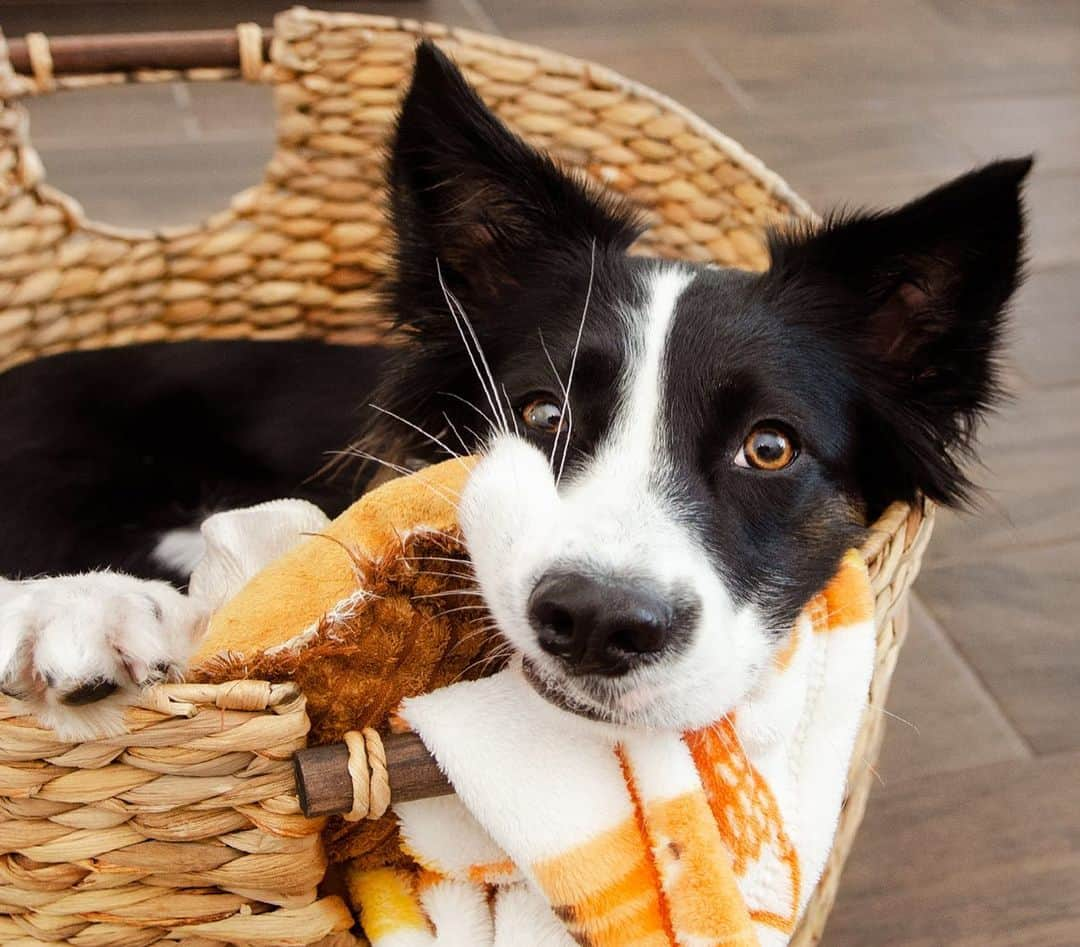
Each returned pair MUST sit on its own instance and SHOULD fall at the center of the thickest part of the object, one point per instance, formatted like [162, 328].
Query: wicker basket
[188, 828]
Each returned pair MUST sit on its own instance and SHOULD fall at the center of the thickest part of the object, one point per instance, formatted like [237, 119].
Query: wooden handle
[132, 52]
[325, 788]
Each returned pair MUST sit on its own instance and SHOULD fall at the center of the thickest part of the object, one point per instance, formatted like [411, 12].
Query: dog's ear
[472, 198]
[917, 298]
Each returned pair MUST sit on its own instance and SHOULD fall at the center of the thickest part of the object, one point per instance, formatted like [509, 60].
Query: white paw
[75, 649]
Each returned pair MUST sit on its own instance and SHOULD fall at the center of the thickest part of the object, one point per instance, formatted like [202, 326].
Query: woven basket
[188, 828]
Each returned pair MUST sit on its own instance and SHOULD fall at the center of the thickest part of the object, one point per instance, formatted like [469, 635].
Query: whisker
[565, 394]
[469, 404]
[483, 358]
[447, 575]
[417, 428]
[889, 713]
[463, 562]
[497, 655]
[513, 413]
[448, 592]
[450, 497]
[364, 455]
[573, 361]
[458, 315]
[450, 537]
[478, 438]
[873, 769]
[459, 608]
[487, 629]
[450, 424]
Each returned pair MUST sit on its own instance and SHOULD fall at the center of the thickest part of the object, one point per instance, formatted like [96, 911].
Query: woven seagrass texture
[187, 828]
[95, 839]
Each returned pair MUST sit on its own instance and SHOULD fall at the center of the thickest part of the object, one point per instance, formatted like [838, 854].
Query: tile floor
[973, 838]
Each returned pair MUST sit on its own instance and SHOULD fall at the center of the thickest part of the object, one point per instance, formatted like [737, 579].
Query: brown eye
[766, 448]
[542, 415]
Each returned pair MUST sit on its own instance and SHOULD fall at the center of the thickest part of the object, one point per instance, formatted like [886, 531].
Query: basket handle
[326, 780]
[43, 59]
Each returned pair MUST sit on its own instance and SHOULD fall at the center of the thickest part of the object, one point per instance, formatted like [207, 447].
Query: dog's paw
[75, 649]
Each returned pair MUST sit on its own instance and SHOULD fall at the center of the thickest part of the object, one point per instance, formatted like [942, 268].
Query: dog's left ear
[917, 297]
[467, 192]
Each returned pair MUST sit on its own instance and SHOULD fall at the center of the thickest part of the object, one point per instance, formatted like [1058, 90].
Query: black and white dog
[675, 455]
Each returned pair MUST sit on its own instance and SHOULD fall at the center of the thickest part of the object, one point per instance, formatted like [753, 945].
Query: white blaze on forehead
[635, 438]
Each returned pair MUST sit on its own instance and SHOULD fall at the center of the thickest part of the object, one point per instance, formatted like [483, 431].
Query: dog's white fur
[613, 517]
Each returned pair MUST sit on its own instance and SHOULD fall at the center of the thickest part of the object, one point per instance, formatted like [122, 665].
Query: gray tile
[1053, 200]
[1030, 474]
[826, 191]
[110, 116]
[987, 857]
[730, 18]
[153, 187]
[803, 55]
[1015, 618]
[922, 62]
[1009, 14]
[231, 109]
[1046, 327]
[945, 720]
[1047, 126]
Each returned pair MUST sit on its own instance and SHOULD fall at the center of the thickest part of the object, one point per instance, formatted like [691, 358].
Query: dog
[674, 456]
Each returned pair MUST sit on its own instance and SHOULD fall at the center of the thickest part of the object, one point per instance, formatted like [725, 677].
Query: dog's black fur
[103, 452]
[872, 340]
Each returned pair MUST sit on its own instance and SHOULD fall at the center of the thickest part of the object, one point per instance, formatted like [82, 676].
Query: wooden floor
[973, 837]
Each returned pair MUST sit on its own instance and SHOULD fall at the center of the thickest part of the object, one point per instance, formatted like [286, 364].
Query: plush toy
[562, 830]
[374, 607]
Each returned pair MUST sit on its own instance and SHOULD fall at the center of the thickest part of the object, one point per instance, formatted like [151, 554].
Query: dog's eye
[542, 414]
[767, 447]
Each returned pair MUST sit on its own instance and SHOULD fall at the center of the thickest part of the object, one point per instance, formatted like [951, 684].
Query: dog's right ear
[473, 201]
[917, 296]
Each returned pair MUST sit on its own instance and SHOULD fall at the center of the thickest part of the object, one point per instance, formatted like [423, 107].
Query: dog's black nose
[598, 625]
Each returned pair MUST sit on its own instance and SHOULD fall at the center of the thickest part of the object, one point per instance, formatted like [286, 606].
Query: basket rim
[15, 86]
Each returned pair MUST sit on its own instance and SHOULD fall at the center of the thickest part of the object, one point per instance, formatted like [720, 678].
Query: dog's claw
[90, 692]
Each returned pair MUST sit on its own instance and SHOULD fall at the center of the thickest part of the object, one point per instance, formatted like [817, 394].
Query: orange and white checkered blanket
[566, 831]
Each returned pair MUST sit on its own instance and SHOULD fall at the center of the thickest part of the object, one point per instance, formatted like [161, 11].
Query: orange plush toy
[374, 607]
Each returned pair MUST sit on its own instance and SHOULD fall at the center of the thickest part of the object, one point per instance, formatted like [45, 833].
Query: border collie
[675, 456]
